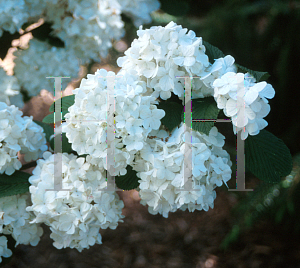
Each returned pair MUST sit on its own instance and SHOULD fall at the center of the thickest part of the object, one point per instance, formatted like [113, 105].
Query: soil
[182, 240]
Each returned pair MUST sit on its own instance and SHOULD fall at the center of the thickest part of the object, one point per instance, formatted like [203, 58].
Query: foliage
[17, 183]
[128, 181]
[267, 157]
[278, 203]
[173, 113]
[205, 108]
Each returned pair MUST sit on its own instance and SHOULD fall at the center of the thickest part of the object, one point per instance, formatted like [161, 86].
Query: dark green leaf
[66, 102]
[173, 112]
[212, 52]
[259, 76]
[5, 42]
[49, 119]
[17, 183]
[203, 108]
[128, 181]
[66, 146]
[48, 130]
[45, 33]
[175, 7]
[267, 157]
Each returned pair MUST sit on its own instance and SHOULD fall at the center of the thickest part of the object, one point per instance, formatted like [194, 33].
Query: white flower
[4, 251]
[41, 60]
[161, 54]
[139, 10]
[78, 214]
[13, 15]
[244, 101]
[159, 166]
[18, 133]
[151, 117]
[135, 116]
[15, 220]
[262, 89]
[10, 90]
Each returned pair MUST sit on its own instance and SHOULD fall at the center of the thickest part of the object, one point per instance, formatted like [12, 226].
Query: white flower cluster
[244, 101]
[42, 60]
[135, 117]
[4, 251]
[12, 15]
[160, 166]
[162, 53]
[86, 27]
[89, 31]
[139, 10]
[15, 221]
[18, 133]
[149, 71]
[10, 90]
[74, 216]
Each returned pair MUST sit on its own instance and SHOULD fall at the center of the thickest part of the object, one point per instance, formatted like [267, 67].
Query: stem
[28, 165]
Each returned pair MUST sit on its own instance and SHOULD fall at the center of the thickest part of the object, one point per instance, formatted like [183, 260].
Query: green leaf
[203, 108]
[49, 119]
[175, 7]
[45, 33]
[212, 52]
[231, 237]
[16, 183]
[173, 112]
[66, 146]
[66, 102]
[48, 130]
[128, 181]
[267, 157]
[259, 76]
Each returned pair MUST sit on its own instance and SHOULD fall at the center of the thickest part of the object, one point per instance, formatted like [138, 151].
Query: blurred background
[245, 229]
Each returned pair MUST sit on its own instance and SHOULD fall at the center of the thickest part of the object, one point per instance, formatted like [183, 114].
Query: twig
[28, 165]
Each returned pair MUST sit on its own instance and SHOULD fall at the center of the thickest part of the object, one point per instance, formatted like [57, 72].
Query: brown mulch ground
[182, 240]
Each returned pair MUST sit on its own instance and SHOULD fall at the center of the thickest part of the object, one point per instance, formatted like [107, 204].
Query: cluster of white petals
[12, 15]
[86, 27]
[10, 90]
[18, 133]
[15, 221]
[135, 117]
[161, 54]
[4, 251]
[160, 167]
[139, 10]
[76, 215]
[42, 60]
[244, 101]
